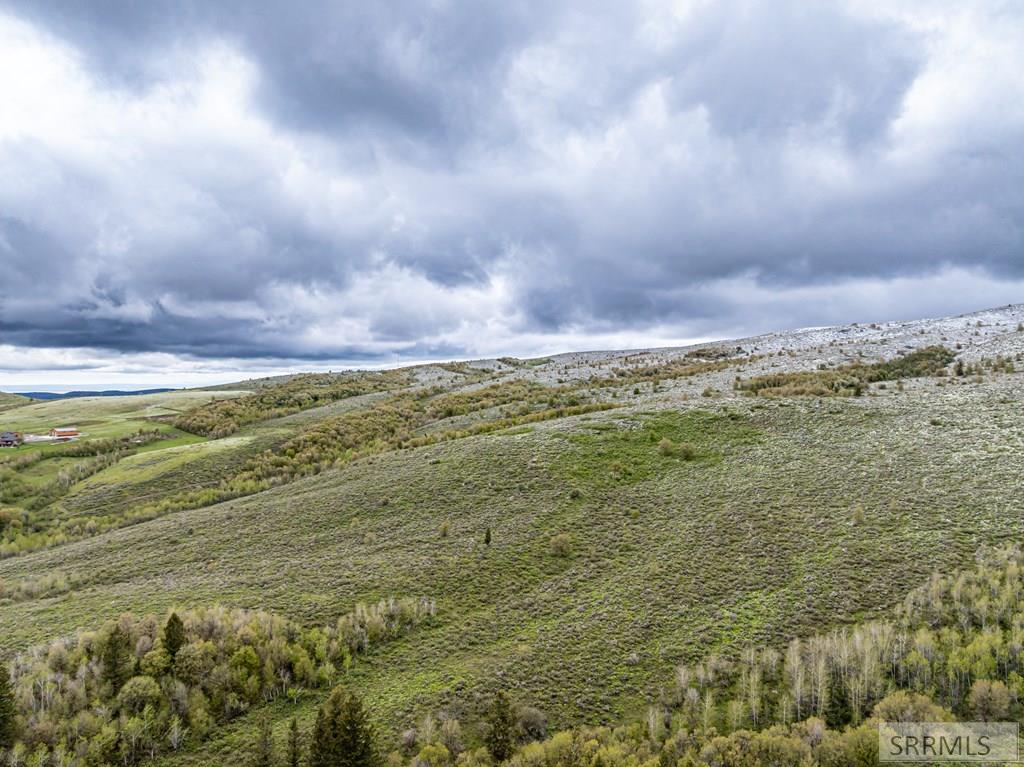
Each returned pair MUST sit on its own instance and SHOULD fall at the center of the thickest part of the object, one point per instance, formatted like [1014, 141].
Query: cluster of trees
[224, 417]
[400, 422]
[525, 396]
[808, 743]
[45, 585]
[853, 379]
[71, 475]
[343, 736]
[91, 447]
[998, 364]
[140, 686]
[103, 452]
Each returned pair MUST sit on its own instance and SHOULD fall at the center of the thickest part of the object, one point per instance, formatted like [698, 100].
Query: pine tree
[174, 636]
[499, 740]
[487, 537]
[294, 744]
[264, 755]
[357, 735]
[8, 711]
[115, 658]
[343, 735]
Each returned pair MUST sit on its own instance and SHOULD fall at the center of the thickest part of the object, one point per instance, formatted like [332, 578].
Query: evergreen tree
[294, 744]
[8, 711]
[343, 735]
[487, 537]
[501, 730]
[174, 635]
[264, 756]
[115, 658]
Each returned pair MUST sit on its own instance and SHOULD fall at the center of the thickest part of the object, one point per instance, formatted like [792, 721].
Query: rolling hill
[49, 395]
[8, 401]
[584, 523]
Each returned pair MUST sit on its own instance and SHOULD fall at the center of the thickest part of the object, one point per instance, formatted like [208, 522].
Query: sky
[199, 191]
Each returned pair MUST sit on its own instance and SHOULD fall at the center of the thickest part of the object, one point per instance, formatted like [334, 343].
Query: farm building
[10, 439]
[64, 432]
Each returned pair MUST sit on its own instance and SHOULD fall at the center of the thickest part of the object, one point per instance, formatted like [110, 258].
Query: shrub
[561, 545]
[451, 735]
[686, 451]
[221, 418]
[531, 723]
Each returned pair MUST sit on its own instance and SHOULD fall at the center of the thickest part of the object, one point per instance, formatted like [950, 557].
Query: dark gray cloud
[355, 180]
[425, 73]
[764, 69]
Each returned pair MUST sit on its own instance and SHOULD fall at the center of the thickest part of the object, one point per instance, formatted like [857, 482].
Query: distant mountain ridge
[49, 395]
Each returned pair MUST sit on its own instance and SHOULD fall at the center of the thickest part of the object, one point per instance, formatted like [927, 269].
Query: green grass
[8, 401]
[38, 476]
[753, 540]
[99, 417]
[163, 457]
[625, 451]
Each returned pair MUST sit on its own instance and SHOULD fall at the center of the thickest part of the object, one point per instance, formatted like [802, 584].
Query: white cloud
[624, 176]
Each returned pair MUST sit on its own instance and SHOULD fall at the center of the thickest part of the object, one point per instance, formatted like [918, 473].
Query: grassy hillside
[103, 417]
[694, 517]
[8, 401]
[791, 517]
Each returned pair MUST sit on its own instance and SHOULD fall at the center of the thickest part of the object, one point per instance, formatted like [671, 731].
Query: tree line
[343, 735]
[852, 379]
[222, 418]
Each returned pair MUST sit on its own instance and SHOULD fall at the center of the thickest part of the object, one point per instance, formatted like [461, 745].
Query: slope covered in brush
[587, 522]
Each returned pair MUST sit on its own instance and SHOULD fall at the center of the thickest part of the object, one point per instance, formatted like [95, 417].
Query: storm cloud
[437, 178]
